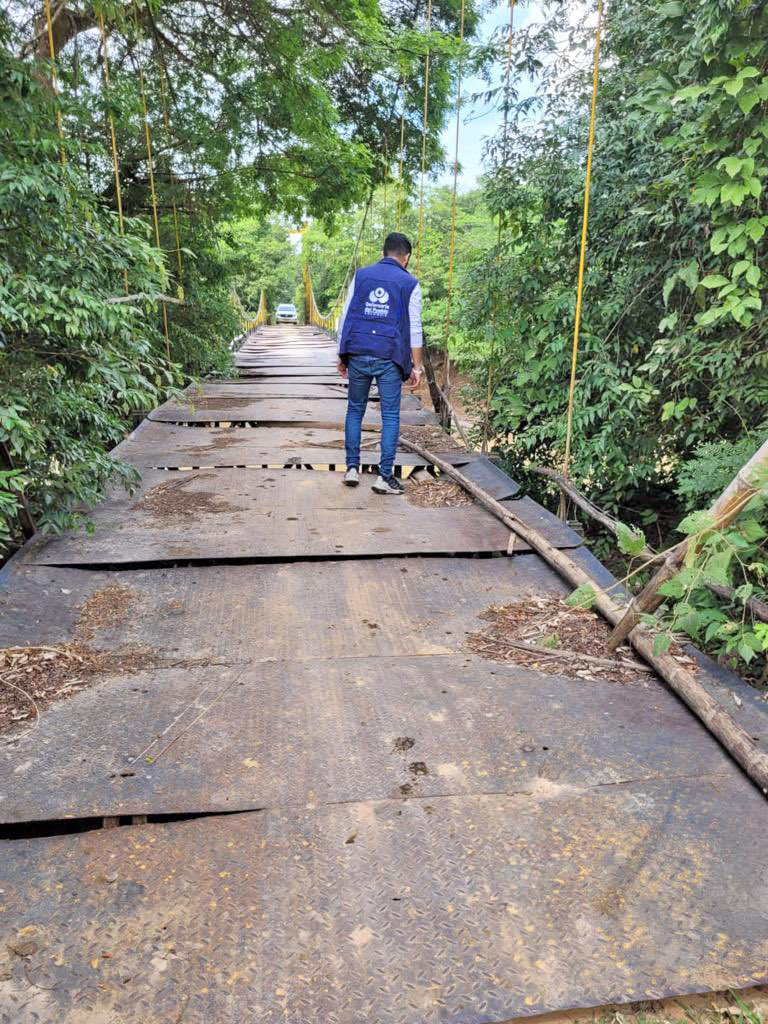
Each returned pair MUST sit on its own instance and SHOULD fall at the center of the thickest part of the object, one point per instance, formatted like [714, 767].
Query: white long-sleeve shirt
[414, 315]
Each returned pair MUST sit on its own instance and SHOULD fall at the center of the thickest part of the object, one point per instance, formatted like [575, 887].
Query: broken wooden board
[388, 607]
[241, 408]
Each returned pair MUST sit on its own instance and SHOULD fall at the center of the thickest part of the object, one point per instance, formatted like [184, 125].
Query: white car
[286, 314]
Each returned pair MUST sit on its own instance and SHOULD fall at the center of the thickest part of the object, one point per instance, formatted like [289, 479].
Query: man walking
[380, 338]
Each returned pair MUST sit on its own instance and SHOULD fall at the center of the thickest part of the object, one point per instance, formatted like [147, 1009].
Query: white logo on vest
[378, 303]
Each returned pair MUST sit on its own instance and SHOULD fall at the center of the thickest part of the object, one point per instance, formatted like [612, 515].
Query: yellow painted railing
[251, 321]
[330, 320]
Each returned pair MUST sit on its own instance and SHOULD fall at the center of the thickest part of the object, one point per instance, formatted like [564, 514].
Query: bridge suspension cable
[250, 321]
[454, 203]
[494, 299]
[582, 256]
[424, 133]
[54, 79]
[151, 171]
[330, 320]
[106, 86]
[172, 179]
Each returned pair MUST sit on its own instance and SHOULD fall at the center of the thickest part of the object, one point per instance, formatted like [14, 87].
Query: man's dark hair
[396, 244]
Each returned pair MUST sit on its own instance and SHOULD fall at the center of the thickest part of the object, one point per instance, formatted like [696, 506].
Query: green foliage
[251, 110]
[672, 381]
[631, 541]
[263, 256]
[711, 468]
[674, 353]
[731, 557]
[582, 597]
[76, 366]
[330, 252]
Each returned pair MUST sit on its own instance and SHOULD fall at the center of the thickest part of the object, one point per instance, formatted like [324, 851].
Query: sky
[479, 121]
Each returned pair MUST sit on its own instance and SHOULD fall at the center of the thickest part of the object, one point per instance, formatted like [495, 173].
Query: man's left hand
[342, 368]
[415, 379]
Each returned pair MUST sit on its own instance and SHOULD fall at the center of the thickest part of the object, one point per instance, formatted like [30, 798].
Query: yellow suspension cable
[424, 132]
[386, 180]
[177, 233]
[489, 384]
[331, 318]
[452, 249]
[399, 207]
[152, 191]
[54, 80]
[113, 138]
[583, 249]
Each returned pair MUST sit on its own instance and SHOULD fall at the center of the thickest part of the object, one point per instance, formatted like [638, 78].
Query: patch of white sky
[481, 120]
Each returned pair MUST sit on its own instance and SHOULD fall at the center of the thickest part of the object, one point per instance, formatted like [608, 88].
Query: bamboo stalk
[757, 607]
[720, 723]
[587, 506]
[739, 492]
[564, 652]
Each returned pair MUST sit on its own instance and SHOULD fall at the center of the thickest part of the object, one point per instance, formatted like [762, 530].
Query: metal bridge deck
[423, 837]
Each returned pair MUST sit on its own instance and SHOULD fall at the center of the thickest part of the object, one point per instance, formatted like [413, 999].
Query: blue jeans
[363, 370]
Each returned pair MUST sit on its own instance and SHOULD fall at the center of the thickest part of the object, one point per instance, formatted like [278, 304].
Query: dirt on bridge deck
[349, 793]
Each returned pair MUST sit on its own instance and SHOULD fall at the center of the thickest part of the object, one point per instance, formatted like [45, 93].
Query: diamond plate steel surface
[312, 373]
[271, 410]
[330, 731]
[486, 474]
[442, 840]
[303, 380]
[253, 513]
[294, 611]
[166, 445]
[268, 389]
[750, 709]
[456, 910]
[208, 394]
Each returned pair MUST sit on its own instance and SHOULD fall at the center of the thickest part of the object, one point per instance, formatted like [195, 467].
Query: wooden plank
[325, 731]
[232, 513]
[243, 409]
[463, 910]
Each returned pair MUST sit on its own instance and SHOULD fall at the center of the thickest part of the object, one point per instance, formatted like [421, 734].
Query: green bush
[78, 363]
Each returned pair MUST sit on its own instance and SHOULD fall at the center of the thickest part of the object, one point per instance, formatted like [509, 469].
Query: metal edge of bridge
[422, 837]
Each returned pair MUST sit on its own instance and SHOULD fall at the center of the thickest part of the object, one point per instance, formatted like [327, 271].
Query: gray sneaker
[388, 486]
[352, 477]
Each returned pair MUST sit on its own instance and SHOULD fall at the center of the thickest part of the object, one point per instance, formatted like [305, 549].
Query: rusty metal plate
[267, 389]
[459, 910]
[305, 380]
[485, 473]
[225, 514]
[324, 360]
[539, 518]
[234, 409]
[167, 445]
[311, 373]
[330, 731]
[385, 608]
[208, 394]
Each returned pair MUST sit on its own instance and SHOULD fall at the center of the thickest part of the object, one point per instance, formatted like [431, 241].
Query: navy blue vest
[377, 322]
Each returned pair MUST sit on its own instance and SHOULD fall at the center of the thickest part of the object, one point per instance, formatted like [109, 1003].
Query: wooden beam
[720, 723]
[583, 502]
[748, 482]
